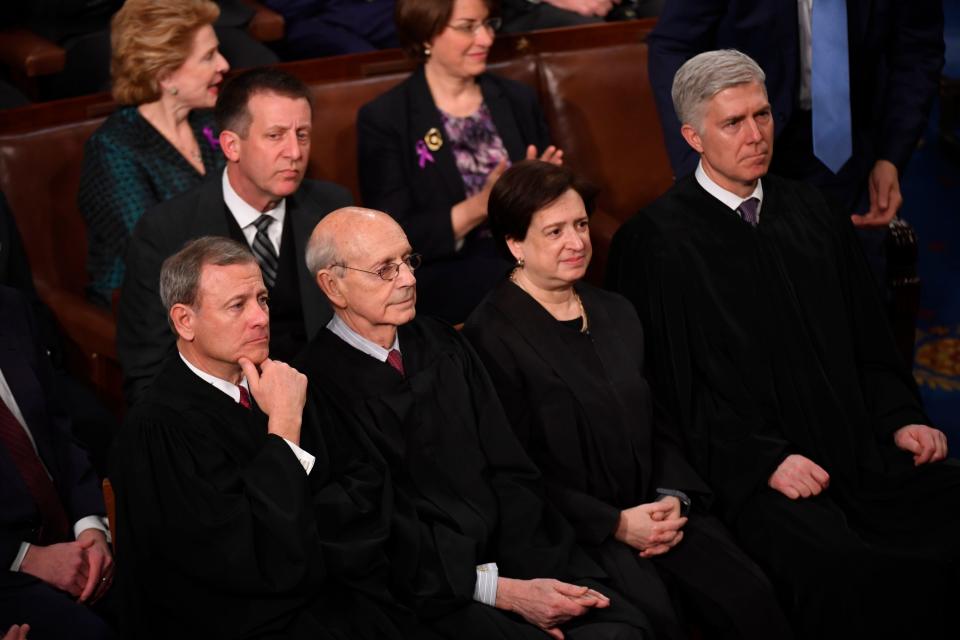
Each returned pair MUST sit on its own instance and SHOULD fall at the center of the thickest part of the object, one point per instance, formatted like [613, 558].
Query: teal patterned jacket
[128, 166]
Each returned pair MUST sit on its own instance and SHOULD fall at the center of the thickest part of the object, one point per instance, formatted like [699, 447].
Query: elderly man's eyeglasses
[472, 27]
[392, 270]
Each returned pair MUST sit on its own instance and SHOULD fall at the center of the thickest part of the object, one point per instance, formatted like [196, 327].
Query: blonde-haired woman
[166, 70]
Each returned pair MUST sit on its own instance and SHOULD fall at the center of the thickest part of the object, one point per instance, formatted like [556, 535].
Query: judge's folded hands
[83, 568]
[652, 528]
[799, 477]
[547, 603]
[925, 443]
[280, 391]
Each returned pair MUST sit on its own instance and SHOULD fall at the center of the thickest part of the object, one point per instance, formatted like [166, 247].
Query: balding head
[340, 232]
[346, 251]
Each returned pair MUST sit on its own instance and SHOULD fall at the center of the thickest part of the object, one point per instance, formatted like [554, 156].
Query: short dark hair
[525, 188]
[180, 273]
[419, 21]
[232, 112]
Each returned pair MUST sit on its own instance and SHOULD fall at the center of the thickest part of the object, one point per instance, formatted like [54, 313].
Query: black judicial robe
[223, 535]
[772, 340]
[465, 491]
[593, 436]
[583, 410]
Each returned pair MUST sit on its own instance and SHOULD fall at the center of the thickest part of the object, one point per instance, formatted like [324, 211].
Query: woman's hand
[551, 154]
[653, 528]
[467, 215]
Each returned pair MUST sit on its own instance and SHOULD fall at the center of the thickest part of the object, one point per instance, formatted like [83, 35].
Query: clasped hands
[547, 603]
[652, 528]
[800, 477]
[83, 568]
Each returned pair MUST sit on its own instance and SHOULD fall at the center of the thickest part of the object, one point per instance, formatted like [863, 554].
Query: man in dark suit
[92, 422]
[53, 543]
[261, 199]
[895, 55]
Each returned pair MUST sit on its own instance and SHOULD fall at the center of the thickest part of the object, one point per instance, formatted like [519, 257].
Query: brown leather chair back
[602, 113]
[333, 152]
[40, 175]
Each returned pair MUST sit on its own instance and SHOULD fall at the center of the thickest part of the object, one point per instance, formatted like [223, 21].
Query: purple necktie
[55, 525]
[748, 211]
[395, 360]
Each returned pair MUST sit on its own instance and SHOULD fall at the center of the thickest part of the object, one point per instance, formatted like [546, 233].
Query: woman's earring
[173, 91]
[426, 51]
[520, 263]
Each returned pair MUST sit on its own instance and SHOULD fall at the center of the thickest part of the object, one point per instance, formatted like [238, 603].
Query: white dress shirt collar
[246, 215]
[340, 329]
[228, 388]
[728, 198]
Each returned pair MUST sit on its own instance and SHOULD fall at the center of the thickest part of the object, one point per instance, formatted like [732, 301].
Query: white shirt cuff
[21, 554]
[88, 522]
[485, 589]
[306, 459]
[92, 522]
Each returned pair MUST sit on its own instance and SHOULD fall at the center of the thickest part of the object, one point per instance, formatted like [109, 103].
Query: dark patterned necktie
[748, 211]
[264, 252]
[244, 397]
[55, 525]
[395, 360]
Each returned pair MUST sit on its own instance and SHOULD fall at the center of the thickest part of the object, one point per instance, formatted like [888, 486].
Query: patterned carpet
[931, 192]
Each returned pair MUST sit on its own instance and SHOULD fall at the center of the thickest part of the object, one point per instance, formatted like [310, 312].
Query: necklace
[585, 322]
[585, 326]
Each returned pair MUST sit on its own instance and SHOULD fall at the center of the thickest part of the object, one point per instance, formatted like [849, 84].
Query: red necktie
[55, 525]
[244, 397]
[395, 360]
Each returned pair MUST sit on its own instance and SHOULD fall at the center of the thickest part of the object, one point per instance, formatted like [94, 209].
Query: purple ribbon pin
[208, 134]
[423, 154]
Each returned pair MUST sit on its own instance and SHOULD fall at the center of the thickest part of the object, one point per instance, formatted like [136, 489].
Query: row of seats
[592, 83]
[27, 56]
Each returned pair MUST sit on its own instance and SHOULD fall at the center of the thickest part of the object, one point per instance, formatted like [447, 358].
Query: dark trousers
[52, 614]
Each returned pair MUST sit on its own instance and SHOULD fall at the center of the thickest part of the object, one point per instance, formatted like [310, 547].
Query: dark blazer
[144, 338]
[896, 53]
[420, 199]
[29, 375]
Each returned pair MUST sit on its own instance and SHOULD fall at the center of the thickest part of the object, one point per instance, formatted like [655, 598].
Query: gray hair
[321, 251]
[707, 74]
[180, 273]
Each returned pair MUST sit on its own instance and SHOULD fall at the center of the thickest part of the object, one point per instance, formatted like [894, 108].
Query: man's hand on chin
[925, 443]
[885, 197]
[280, 392]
